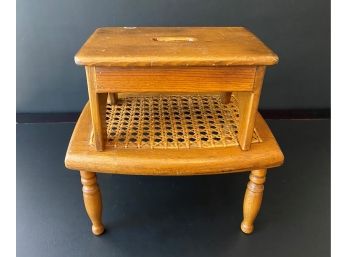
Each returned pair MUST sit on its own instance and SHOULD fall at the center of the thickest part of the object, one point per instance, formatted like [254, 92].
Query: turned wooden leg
[253, 199]
[92, 200]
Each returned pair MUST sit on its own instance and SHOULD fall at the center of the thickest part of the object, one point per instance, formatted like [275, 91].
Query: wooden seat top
[81, 155]
[174, 46]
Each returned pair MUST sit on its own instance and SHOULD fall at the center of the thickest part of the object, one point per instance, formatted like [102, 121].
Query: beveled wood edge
[163, 62]
[167, 162]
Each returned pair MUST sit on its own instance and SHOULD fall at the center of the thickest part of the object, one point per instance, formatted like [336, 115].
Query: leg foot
[97, 230]
[253, 199]
[92, 200]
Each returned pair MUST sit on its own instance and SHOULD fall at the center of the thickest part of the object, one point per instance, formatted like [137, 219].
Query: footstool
[171, 101]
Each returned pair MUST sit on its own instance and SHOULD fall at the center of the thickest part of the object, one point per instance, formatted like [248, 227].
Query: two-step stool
[173, 102]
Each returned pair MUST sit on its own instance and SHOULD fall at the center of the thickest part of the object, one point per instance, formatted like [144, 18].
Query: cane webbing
[173, 121]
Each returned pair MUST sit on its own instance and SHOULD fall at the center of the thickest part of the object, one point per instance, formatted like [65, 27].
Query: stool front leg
[92, 200]
[253, 199]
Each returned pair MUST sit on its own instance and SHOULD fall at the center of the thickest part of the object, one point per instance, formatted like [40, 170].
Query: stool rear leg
[92, 200]
[113, 98]
[253, 199]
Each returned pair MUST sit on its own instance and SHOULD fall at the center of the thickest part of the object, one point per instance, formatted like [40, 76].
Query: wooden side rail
[248, 105]
[177, 79]
[244, 81]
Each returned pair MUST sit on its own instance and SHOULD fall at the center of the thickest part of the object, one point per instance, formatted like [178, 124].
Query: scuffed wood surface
[174, 46]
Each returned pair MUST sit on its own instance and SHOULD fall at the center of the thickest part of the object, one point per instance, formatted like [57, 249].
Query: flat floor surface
[174, 216]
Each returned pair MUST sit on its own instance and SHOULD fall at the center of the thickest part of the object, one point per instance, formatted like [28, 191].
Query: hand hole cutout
[174, 39]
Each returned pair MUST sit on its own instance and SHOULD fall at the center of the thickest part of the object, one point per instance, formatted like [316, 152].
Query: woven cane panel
[177, 121]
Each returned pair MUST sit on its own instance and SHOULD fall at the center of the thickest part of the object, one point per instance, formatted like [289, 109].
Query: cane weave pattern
[173, 121]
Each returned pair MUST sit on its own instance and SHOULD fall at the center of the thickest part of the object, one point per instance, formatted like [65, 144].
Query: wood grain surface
[180, 79]
[81, 155]
[174, 46]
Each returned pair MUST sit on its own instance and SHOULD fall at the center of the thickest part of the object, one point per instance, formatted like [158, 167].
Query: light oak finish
[253, 199]
[167, 60]
[92, 200]
[170, 162]
[125, 61]
[192, 46]
[180, 79]
[248, 104]
[98, 104]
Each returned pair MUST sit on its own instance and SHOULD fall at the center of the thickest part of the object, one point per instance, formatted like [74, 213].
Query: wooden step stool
[173, 102]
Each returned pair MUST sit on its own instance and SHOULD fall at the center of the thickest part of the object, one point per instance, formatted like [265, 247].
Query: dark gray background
[49, 32]
[185, 216]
